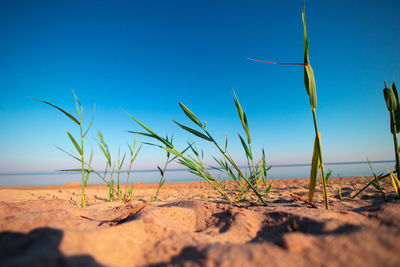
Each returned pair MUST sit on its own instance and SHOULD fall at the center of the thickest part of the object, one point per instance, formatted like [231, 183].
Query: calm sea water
[181, 175]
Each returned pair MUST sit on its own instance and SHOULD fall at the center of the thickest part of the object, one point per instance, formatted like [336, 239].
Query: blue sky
[146, 56]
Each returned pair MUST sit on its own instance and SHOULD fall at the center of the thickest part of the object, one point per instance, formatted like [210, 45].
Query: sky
[143, 57]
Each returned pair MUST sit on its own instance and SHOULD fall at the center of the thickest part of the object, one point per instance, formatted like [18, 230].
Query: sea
[342, 169]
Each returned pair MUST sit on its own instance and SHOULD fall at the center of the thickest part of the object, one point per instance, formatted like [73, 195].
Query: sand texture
[191, 226]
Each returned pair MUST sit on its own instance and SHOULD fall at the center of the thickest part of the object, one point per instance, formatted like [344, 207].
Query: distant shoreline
[181, 170]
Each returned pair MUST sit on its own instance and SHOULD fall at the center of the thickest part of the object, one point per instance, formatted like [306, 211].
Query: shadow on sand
[40, 247]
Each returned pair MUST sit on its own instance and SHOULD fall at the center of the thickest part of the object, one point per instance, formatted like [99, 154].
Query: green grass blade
[314, 170]
[242, 117]
[192, 131]
[69, 154]
[122, 161]
[190, 114]
[303, 15]
[246, 148]
[309, 79]
[137, 152]
[60, 109]
[154, 135]
[309, 82]
[87, 130]
[78, 148]
[173, 152]
[182, 152]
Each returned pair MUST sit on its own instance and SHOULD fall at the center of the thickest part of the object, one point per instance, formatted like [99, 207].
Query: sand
[191, 225]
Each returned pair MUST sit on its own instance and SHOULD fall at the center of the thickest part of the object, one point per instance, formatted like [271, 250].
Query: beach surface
[190, 225]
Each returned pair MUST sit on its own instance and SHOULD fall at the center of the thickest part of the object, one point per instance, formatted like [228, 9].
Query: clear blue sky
[146, 56]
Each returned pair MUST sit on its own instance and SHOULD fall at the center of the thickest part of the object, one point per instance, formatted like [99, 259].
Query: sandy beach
[191, 225]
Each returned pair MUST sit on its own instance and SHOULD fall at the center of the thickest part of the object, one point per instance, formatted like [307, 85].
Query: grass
[244, 183]
[310, 85]
[125, 196]
[78, 146]
[128, 194]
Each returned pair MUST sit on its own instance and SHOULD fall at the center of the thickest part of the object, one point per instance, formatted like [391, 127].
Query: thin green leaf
[137, 152]
[242, 117]
[190, 114]
[193, 131]
[246, 148]
[306, 56]
[69, 154]
[60, 109]
[78, 148]
[173, 152]
[314, 170]
[122, 161]
[154, 135]
[309, 82]
[90, 125]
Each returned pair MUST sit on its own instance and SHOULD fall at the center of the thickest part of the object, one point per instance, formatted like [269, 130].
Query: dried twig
[304, 200]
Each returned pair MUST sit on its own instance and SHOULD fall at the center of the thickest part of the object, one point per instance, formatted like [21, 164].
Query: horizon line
[185, 169]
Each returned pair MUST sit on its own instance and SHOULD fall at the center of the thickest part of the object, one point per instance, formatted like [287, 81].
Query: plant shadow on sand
[39, 247]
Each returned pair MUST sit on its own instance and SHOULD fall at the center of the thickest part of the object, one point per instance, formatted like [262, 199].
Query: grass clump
[245, 182]
[113, 193]
[78, 145]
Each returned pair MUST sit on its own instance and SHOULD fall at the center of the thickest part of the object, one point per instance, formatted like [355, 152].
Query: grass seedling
[339, 187]
[168, 160]
[375, 182]
[119, 164]
[104, 148]
[309, 82]
[128, 191]
[163, 170]
[79, 147]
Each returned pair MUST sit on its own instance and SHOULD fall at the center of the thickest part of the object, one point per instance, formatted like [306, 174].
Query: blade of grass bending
[173, 152]
[60, 109]
[242, 117]
[78, 148]
[246, 148]
[154, 135]
[193, 131]
[69, 154]
[190, 114]
[314, 170]
[90, 125]
[144, 134]
[182, 152]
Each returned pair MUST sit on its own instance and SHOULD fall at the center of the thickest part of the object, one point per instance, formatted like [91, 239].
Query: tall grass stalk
[392, 102]
[78, 146]
[309, 82]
